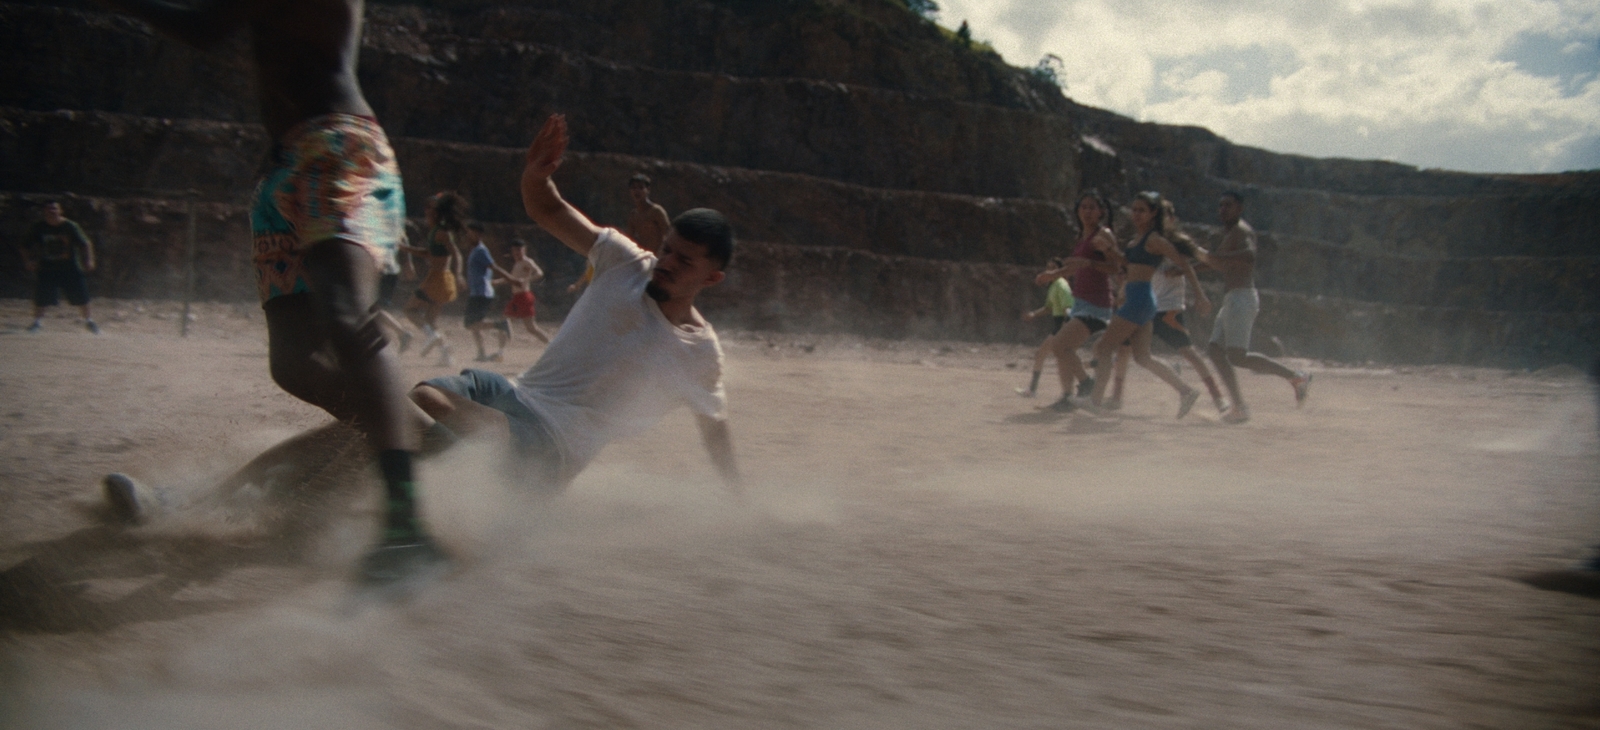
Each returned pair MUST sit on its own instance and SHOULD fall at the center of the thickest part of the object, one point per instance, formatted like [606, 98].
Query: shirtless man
[524, 273]
[319, 248]
[648, 222]
[1235, 259]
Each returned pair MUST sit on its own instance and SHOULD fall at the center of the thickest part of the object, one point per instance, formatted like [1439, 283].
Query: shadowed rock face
[898, 183]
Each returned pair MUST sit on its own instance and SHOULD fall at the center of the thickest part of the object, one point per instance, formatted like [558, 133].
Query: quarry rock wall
[885, 178]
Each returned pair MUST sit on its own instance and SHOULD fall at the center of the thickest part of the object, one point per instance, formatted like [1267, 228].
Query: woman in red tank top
[1093, 258]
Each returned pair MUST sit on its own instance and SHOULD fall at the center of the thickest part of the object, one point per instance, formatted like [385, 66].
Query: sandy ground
[920, 548]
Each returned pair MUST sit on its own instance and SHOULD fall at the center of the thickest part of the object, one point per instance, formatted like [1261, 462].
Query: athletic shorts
[65, 278]
[1235, 318]
[1169, 328]
[1093, 316]
[520, 306]
[530, 437]
[331, 177]
[1139, 302]
[386, 286]
[477, 309]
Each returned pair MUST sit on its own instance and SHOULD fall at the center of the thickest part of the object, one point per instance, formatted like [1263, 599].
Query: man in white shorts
[1235, 259]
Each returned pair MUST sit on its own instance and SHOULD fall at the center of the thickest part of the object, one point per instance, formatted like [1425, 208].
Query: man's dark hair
[518, 243]
[450, 209]
[707, 228]
[1237, 198]
[639, 178]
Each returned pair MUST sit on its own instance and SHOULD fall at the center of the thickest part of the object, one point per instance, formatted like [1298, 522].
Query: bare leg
[1239, 413]
[533, 329]
[1119, 375]
[1064, 345]
[1256, 362]
[1199, 365]
[1141, 355]
[1116, 333]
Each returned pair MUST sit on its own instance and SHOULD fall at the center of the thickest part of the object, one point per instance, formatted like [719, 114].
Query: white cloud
[1499, 85]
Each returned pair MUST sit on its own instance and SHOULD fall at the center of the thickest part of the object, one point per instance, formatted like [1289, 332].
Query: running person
[1171, 285]
[1057, 302]
[1131, 324]
[446, 219]
[647, 222]
[327, 218]
[1235, 259]
[525, 272]
[1089, 268]
[480, 295]
[57, 251]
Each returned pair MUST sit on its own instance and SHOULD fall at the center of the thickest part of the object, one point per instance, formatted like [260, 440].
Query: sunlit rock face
[890, 180]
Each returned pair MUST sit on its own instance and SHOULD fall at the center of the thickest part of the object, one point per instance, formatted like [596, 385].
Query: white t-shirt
[617, 365]
[1172, 292]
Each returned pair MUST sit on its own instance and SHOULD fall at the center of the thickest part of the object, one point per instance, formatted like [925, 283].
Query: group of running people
[1132, 292]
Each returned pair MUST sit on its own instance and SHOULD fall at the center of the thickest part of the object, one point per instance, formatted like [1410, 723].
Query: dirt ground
[920, 547]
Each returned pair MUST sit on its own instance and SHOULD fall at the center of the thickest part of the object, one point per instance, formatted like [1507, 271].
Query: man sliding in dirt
[633, 348]
[326, 219]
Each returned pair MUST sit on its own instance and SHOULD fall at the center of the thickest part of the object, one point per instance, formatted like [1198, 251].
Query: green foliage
[1051, 70]
[928, 9]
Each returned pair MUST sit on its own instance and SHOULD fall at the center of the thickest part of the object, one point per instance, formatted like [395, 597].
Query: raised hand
[544, 154]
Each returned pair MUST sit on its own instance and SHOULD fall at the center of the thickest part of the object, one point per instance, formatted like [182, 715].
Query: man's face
[1229, 210]
[639, 191]
[682, 270]
[52, 214]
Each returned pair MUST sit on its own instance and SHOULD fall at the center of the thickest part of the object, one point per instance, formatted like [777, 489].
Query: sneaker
[1186, 402]
[1302, 388]
[93, 328]
[1085, 387]
[130, 502]
[1063, 404]
[1236, 415]
[35, 327]
[405, 340]
[1026, 393]
[1221, 403]
[397, 560]
[497, 357]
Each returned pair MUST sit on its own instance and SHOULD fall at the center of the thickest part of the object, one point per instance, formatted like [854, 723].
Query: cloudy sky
[1486, 86]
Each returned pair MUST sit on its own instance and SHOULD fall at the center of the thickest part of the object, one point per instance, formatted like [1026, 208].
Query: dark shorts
[1059, 323]
[64, 278]
[1169, 328]
[477, 309]
[1095, 324]
[529, 436]
[386, 286]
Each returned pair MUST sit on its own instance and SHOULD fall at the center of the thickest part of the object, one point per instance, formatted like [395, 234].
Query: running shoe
[497, 357]
[1026, 393]
[1085, 387]
[1236, 414]
[1187, 401]
[35, 327]
[1302, 388]
[1222, 404]
[1063, 404]
[93, 328]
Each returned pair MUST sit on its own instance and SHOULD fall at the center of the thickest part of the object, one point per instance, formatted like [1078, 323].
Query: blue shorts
[529, 436]
[1139, 303]
[1093, 316]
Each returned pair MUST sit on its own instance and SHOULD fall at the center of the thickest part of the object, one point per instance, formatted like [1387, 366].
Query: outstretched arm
[542, 200]
[719, 444]
[204, 25]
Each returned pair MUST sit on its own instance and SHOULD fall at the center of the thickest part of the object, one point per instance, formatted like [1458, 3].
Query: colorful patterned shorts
[332, 176]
